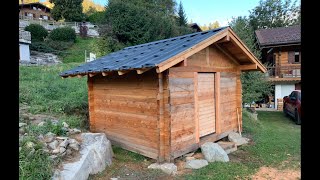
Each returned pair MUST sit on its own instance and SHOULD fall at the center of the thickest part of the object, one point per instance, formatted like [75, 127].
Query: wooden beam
[248, 67]
[192, 50]
[227, 53]
[203, 69]
[161, 123]
[225, 39]
[123, 72]
[92, 74]
[217, 101]
[236, 40]
[104, 74]
[196, 107]
[140, 71]
[92, 122]
[185, 62]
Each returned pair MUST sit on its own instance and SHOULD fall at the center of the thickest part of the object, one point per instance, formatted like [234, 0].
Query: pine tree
[182, 18]
[70, 10]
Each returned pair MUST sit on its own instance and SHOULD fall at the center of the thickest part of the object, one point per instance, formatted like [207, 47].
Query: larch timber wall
[126, 109]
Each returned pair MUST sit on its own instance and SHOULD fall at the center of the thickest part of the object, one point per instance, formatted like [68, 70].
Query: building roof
[34, 4]
[195, 26]
[279, 36]
[157, 54]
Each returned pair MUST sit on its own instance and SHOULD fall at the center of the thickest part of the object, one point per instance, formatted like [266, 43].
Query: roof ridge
[176, 37]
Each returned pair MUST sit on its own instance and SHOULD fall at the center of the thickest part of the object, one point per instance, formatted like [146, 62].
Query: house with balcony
[34, 11]
[281, 50]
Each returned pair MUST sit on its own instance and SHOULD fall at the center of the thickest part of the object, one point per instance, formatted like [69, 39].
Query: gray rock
[113, 178]
[65, 129]
[54, 144]
[74, 144]
[68, 151]
[56, 151]
[65, 125]
[96, 153]
[53, 156]
[61, 138]
[62, 150]
[64, 143]
[54, 121]
[213, 152]
[22, 124]
[41, 138]
[236, 138]
[41, 124]
[168, 168]
[29, 144]
[49, 137]
[74, 131]
[196, 164]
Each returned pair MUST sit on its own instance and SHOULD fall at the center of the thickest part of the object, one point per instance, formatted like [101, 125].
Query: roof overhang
[226, 35]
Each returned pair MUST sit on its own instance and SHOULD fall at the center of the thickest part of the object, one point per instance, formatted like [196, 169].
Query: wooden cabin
[34, 11]
[164, 99]
[281, 48]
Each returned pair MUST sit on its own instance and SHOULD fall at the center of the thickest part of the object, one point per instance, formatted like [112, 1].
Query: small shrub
[63, 34]
[38, 32]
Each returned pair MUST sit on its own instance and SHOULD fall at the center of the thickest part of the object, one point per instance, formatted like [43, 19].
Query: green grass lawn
[276, 143]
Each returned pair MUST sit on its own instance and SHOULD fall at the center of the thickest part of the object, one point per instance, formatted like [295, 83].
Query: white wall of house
[282, 90]
[24, 52]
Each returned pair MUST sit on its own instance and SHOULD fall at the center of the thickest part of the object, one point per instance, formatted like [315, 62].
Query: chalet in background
[34, 11]
[164, 99]
[281, 49]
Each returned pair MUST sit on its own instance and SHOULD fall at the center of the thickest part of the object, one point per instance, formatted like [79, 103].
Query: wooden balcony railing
[287, 71]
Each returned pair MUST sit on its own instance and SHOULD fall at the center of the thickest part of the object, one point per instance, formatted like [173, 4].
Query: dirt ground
[266, 173]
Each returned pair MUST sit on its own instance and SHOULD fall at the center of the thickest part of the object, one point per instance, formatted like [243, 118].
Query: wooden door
[206, 104]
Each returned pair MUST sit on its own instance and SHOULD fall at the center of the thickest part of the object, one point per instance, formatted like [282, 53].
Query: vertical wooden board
[206, 103]
[217, 102]
[196, 108]
[228, 108]
[182, 113]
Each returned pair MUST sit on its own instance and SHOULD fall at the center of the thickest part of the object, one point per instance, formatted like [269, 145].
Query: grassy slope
[76, 52]
[276, 144]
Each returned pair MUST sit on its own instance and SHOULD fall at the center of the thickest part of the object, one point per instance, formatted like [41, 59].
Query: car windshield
[299, 96]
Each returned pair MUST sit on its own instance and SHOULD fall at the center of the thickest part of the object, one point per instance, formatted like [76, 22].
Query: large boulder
[236, 138]
[213, 152]
[196, 164]
[96, 153]
[168, 168]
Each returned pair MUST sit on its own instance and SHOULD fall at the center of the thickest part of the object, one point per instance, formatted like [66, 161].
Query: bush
[63, 34]
[38, 32]
[41, 47]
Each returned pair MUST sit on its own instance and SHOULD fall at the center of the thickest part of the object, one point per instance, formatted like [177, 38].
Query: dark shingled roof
[279, 36]
[144, 55]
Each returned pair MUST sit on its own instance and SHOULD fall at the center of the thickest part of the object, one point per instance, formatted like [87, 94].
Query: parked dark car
[292, 105]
